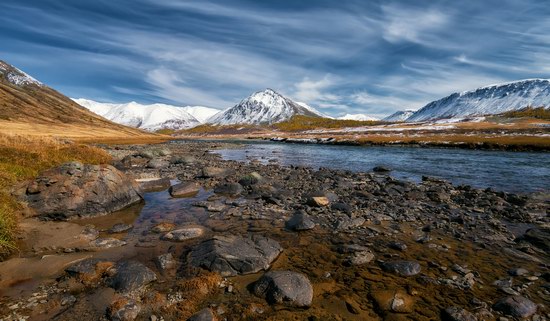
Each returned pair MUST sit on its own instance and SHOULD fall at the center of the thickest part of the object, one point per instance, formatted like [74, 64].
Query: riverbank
[370, 246]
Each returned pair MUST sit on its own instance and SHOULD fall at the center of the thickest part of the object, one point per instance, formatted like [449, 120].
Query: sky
[345, 56]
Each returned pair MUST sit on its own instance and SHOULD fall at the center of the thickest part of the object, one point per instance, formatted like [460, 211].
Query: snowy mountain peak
[17, 76]
[488, 100]
[400, 115]
[149, 117]
[263, 107]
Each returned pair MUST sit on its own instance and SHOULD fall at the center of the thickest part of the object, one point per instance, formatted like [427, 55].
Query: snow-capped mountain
[359, 117]
[149, 117]
[401, 115]
[263, 107]
[488, 100]
[201, 113]
[16, 76]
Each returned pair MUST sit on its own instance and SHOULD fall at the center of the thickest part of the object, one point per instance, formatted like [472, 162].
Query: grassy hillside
[301, 123]
[529, 112]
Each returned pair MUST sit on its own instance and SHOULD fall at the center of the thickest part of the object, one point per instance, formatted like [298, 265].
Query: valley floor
[371, 246]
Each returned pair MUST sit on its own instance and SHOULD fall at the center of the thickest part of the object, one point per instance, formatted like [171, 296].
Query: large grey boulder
[285, 287]
[232, 255]
[78, 190]
[131, 276]
[516, 306]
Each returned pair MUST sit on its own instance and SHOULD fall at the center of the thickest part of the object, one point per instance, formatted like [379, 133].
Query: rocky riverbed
[224, 240]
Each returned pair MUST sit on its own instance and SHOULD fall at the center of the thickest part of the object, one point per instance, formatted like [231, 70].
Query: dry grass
[531, 112]
[301, 123]
[24, 157]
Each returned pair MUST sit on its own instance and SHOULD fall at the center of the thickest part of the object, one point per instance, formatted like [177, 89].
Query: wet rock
[457, 314]
[120, 228]
[78, 190]
[184, 189]
[230, 189]
[89, 271]
[393, 301]
[232, 255]
[516, 306]
[539, 237]
[360, 257]
[403, 268]
[130, 276]
[89, 233]
[205, 314]
[123, 309]
[183, 234]
[165, 262]
[153, 184]
[163, 227]
[284, 287]
[381, 169]
[300, 221]
[107, 243]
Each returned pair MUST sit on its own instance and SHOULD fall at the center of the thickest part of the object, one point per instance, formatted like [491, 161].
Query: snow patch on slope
[401, 115]
[359, 117]
[17, 76]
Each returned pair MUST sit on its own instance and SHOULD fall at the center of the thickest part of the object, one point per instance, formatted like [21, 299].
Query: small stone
[458, 314]
[163, 227]
[183, 234]
[398, 246]
[300, 221]
[518, 272]
[393, 301]
[205, 314]
[360, 257]
[120, 228]
[318, 201]
[403, 268]
[165, 262]
[107, 243]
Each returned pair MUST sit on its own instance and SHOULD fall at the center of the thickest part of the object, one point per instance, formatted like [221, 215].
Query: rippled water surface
[507, 171]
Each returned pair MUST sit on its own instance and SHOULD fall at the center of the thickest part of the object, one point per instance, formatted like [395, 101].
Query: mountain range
[359, 117]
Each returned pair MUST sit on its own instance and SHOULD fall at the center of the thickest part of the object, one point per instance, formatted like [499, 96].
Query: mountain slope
[359, 117]
[148, 117]
[201, 113]
[493, 99]
[263, 107]
[401, 115]
[26, 104]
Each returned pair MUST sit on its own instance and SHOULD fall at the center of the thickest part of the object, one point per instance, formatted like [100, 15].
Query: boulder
[90, 270]
[539, 237]
[78, 190]
[131, 276]
[516, 306]
[300, 221]
[232, 255]
[250, 179]
[184, 189]
[157, 163]
[153, 184]
[183, 234]
[285, 287]
[403, 268]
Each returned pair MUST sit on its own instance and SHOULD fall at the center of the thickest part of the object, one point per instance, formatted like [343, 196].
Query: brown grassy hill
[31, 108]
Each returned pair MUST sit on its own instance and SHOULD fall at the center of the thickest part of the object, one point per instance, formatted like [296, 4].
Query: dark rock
[398, 246]
[300, 221]
[539, 237]
[90, 270]
[184, 189]
[77, 190]
[120, 228]
[182, 160]
[342, 207]
[403, 268]
[516, 306]
[131, 276]
[457, 314]
[284, 287]
[205, 314]
[250, 179]
[381, 169]
[230, 189]
[517, 272]
[232, 255]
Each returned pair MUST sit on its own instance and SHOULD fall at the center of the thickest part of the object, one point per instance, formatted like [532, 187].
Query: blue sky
[343, 56]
